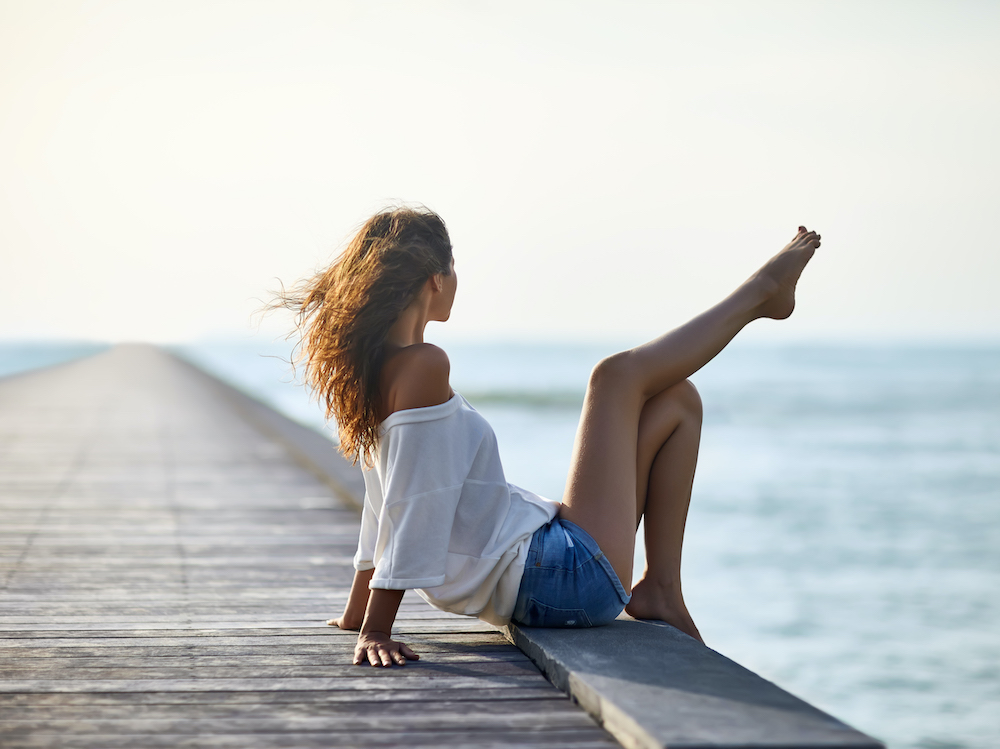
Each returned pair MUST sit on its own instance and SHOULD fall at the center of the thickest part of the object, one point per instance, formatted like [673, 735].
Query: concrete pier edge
[312, 450]
[649, 685]
[687, 696]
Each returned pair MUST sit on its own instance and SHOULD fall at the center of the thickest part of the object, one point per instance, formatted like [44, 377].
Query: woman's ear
[437, 282]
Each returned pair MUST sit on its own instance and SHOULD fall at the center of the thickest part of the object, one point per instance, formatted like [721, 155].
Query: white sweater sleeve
[426, 467]
[368, 536]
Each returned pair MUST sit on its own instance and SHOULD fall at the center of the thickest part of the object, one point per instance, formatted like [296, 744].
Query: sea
[844, 532]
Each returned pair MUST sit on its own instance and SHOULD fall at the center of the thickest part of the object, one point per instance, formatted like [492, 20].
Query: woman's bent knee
[615, 370]
[688, 397]
[668, 408]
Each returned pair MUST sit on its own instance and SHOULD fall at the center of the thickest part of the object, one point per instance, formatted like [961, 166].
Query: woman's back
[413, 376]
[439, 515]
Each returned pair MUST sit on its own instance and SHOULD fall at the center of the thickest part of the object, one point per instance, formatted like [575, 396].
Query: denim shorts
[567, 582]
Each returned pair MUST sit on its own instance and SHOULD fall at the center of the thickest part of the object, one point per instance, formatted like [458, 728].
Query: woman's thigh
[600, 492]
[619, 436]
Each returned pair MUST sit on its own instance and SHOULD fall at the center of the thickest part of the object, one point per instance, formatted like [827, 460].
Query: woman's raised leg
[601, 491]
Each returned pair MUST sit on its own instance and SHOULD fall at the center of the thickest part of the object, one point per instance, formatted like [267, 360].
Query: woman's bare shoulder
[415, 377]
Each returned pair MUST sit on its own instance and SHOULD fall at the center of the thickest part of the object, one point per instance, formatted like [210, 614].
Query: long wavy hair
[343, 314]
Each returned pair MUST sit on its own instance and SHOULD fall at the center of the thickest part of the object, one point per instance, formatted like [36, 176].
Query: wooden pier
[167, 564]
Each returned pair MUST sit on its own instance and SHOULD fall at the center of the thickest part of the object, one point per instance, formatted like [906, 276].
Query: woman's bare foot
[780, 274]
[652, 601]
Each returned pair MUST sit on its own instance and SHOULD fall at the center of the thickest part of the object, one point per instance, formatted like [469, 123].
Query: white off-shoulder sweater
[440, 517]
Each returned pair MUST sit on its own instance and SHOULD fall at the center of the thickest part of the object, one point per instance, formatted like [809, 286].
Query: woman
[439, 516]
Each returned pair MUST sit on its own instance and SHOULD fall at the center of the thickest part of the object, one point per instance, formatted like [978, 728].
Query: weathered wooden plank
[384, 720]
[54, 614]
[371, 679]
[460, 642]
[249, 622]
[438, 705]
[509, 739]
[276, 699]
[43, 665]
[237, 619]
[248, 637]
[195, 668]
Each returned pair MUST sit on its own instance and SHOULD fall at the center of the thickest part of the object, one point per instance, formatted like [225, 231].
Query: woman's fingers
[384, 654]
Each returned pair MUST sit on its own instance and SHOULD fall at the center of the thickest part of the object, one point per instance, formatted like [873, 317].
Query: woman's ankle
[661, 589]
[662, 601]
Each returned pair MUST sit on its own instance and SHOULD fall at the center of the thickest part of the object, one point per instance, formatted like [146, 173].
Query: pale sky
[607, 169]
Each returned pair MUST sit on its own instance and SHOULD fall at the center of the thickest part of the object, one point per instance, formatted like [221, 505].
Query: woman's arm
[357, 602]
[414, 377]
[373, 612]
[374, 643]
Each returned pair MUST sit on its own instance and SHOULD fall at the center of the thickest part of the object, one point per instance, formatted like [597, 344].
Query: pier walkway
[167, 563]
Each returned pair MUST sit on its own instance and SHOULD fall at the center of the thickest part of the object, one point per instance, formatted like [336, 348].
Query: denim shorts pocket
[556, 551]
[537, 614]
[567, 581]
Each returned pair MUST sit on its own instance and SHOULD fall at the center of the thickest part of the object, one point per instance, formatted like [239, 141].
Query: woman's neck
[409, 328]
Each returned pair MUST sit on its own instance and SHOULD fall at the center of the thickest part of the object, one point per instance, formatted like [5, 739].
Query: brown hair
[343, 314]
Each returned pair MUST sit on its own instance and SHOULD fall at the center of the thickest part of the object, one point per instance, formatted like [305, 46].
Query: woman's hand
[343, 622]
[374, 644]
[378, 649]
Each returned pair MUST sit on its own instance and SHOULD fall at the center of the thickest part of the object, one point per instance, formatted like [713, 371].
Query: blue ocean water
[844, 535]
[23, 356]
